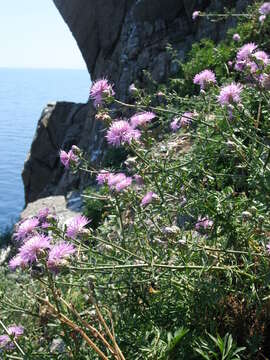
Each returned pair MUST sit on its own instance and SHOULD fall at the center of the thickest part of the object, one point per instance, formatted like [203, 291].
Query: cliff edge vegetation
[171, 258]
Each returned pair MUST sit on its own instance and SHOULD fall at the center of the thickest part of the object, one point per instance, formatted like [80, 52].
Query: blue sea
[23, 95]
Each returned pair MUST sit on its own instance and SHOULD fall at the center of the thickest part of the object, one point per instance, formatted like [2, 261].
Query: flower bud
[132, 89]
[253, 210]
[76, 150]
[260, 219]
[266, 82]
[231, 145]
[171, 231]
[246, 215]
[131, 161]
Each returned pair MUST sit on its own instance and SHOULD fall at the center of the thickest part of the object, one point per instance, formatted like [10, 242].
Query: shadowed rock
[118, 39]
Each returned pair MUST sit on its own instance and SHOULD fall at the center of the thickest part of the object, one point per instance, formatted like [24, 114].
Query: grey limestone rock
[57, 204]
[118, 39]
[61, 125]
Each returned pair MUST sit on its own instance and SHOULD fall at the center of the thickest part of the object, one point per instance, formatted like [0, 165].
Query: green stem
[166, 266]
[121, 219]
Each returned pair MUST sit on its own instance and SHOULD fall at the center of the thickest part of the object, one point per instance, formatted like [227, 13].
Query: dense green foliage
[169, 288]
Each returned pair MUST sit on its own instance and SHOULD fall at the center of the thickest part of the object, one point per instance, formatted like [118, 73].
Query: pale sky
[34, 35]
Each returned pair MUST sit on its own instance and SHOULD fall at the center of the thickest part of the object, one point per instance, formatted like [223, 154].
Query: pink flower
[132, 89]
[99, 90]
[119, 182]
[102, 177]
[45, 225]
[75, 149]
[114, 179]
[245, 51]
[244, 58]
[148, 198]
[262, 56]
[59, 253]
[15, 331]
[184, 121]
[120, 132]
[68, 158]
[203, 223]
[262, 18]
[26, 228]
[195, 15]
[236, 37]
[230, 94]
[15, 262]
[265, 8]
[76, 226]
[43, 214]
[204, 78]
[175, 124]
[123, 184]
[33, 247]
[141, 119]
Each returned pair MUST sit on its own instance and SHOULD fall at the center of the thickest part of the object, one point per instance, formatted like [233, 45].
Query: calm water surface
[23, 95]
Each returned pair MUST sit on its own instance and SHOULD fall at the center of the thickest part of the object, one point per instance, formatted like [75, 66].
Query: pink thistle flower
[204, 78]
[99, 90]
[16, 262]
[141, 119]
[76, 226]
[119, 182]
[175, 124]
[184, 121]
[68, 158]
[236, 37]
[120, 132]
[33, 247]
[43, 214]
[195, 14]
[59, 253]
[45, 225]
[26, 228]
[123, 184]
[262, 56]
[203, 223]
[265, 8]
[102, 177]
[15, 331]
[246, 51]
[230, 94]
[262, 19]
[114, 179]
[148, 198]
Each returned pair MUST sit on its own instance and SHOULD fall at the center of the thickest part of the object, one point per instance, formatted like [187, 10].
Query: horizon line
[40, 68]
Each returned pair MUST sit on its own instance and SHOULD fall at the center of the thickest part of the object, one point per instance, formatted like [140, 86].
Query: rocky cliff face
[118, 39]
[60, 126]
